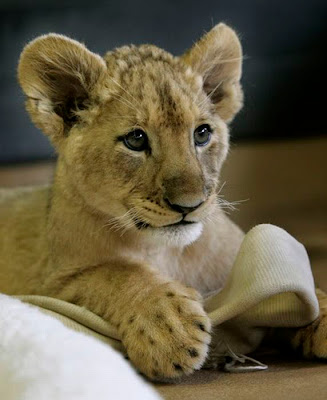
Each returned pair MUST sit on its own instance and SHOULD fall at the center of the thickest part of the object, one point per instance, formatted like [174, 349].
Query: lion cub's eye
[202, 135]
[136, 140]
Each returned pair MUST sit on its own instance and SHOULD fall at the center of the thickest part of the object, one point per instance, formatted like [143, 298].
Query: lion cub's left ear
[59, 77]
[217, 57]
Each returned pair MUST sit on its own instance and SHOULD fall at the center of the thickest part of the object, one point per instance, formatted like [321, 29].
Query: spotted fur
[311, 341]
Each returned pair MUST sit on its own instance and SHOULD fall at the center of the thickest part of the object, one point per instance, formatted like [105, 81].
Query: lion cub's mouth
[182, 222]
[180, 233]
[143, 225]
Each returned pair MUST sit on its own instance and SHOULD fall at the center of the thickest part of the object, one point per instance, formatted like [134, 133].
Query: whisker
[221, 187]
[212, 92]
[119, 85]
[117, 223]
[229, 205]
[125, 102]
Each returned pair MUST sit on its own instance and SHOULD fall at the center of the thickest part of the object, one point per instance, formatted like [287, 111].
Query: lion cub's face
[141, 134]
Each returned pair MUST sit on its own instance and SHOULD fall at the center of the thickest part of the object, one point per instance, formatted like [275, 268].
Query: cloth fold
[77, 318]
[270, 285]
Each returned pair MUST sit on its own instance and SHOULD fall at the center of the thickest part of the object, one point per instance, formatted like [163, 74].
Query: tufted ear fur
[58, 76]
[217, 57]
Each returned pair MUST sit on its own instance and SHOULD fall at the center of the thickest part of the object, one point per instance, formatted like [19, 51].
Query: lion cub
[131, 227]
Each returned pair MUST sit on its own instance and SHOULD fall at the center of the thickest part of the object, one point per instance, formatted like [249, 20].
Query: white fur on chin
[176, 236]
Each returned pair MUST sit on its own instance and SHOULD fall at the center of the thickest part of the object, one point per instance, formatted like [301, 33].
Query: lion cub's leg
[162, 324]
[311, 340]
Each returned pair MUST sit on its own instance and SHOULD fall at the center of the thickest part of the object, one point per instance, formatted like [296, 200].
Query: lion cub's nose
[182, 208]
[184, 193]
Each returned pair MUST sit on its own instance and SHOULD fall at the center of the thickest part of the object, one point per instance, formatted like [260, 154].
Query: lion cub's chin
[175, 236]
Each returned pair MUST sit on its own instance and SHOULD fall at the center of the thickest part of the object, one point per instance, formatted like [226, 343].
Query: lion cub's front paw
[311, 340]
[320, 339]
[167, 334]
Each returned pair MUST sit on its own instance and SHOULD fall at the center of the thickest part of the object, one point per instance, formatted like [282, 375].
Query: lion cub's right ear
[58, 76]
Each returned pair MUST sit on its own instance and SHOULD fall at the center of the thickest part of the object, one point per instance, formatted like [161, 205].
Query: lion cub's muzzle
[183, 200]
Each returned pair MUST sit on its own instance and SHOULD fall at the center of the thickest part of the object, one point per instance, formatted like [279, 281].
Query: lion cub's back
[22, 232]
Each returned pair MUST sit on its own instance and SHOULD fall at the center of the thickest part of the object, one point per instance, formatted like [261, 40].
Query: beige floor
[283, 380]
[283, 183]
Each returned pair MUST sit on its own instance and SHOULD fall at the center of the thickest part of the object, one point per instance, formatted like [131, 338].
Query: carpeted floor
[284, 183]
[285, 379]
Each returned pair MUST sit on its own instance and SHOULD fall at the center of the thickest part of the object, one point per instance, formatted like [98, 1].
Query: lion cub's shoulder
[19, 205]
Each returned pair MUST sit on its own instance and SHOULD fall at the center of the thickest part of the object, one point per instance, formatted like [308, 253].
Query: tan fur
[311, 341]
[81, 239]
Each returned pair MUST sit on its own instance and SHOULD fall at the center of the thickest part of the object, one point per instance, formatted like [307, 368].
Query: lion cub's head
[141, 135]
